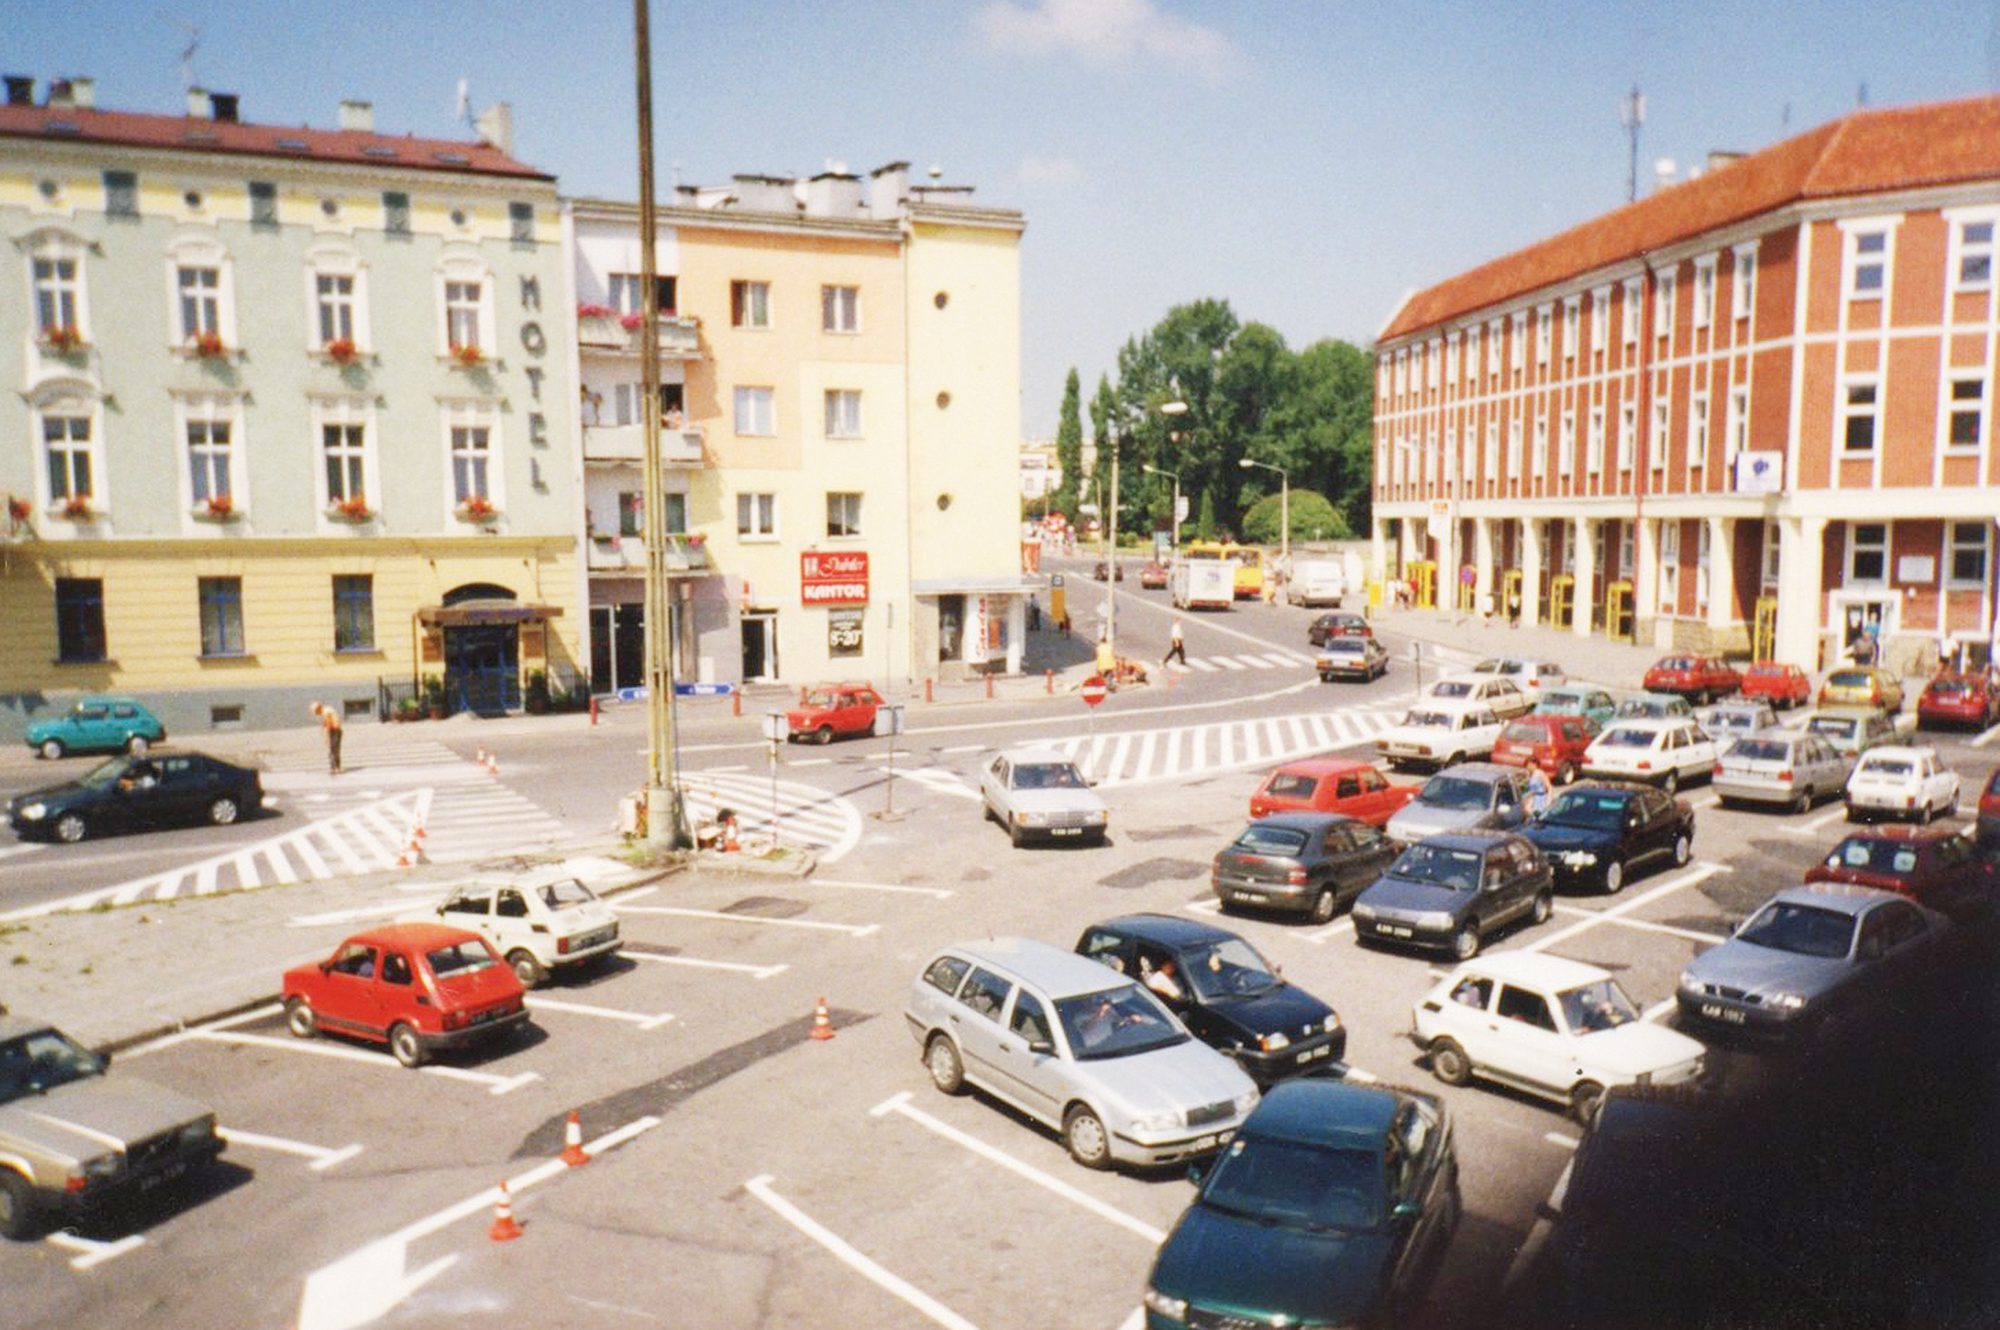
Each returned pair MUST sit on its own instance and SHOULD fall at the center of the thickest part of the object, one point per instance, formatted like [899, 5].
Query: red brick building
[1753, 407]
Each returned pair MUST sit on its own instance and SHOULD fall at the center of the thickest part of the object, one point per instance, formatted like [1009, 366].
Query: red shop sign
[833, 579]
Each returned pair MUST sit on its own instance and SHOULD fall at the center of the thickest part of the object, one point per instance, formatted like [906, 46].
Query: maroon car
[1781, 685]
[1953, 698]
[415, 987]
[1153, 575]
[1556, 744]
[1933, 866]
[1700, 679]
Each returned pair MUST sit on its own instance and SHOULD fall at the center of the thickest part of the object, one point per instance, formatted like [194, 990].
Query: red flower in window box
[341, 350]
[630, 322]
[221, 508]
[353, 509]
[209, 345]
[77, 507]
[594, 311]
[696, 538]
[65, 338]
[477, 508]
[466, 355]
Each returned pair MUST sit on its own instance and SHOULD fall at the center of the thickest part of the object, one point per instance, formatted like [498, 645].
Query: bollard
[927, 690]
[1049, 681]
[989, 688]
[593, 708]
[736, 701]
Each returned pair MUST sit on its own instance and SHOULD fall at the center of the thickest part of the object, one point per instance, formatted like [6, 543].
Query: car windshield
[1440, 866]
[1455, 792]
[1581, 808]
[1874, 856]
[1116, 1023]
[1521, 732]
[1840, 727]
[1346, 646]
[1641, 706]
[818, 697]
[105, 774]
[1452, 688]
[1297, 1185]
[1847, 679]
[1289, 785]
[41, 1060]
[1559, 704]
[1428, 720]
[1259, 838]
[1759, 750]
[1804, 930]
[1626, 736]
[1950, 687]
[1603, 1005]
[1225, 969]
[1735, 720]
[1885, 766]
[565, 893]
[460, 958]
[1678, 663]
[1047, 776]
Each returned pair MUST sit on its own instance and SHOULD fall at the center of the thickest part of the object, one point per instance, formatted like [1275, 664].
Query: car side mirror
[1198, 1171]
[1041, 1047]
[1406, 1212]
[326, 967]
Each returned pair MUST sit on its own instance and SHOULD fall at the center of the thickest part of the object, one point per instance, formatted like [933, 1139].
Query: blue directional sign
[703, 689]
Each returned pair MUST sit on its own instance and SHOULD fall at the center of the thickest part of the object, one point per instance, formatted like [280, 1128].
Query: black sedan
[1450, 892]
[1311, 862]
[1597, 832]
[1109, 572]
[1223, 991]
[135, 793]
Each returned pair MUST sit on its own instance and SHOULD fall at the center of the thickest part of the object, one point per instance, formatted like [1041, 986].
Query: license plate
[1066, 831]
[1208, 1142]
[1715, 1011]
[165, 1175]
[1395, 930]
[1310, 1054]
[1246, 897]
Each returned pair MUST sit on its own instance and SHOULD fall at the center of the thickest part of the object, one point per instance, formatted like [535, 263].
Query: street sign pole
[1092, 694]
[774, 734]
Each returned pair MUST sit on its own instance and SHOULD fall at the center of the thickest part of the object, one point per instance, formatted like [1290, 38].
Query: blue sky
[1307, 160]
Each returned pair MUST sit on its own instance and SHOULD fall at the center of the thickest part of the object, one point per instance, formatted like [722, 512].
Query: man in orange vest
[330, 722]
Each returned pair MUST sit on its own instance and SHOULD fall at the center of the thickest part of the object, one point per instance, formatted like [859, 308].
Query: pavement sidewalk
[1594, 659]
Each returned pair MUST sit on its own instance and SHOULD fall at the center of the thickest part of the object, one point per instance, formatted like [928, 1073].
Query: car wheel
[404, 1045]
[1014, 835]
[137, 745]
[1925, 814]
[1614, 877]
[17, 1205]
[1449, 1063]
[1566, 773]
[1453, 760]
[223, 811]
[70, 828]
[1683, 848]
[1585, 1101]
[1801, 801]
[824, 734]
[1543, 907]
[1465, 943]
[299, 1018]
[526, 968]
[942, 1061]
[1323, 906]
[1084, 1134]
[1852, 816]
[52, 749]
[1671, 781]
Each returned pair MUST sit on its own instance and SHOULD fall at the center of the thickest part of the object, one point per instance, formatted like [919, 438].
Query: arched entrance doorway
[480, 633]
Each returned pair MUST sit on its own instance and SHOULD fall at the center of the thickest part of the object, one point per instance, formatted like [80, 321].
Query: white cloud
[1109, 32]
[1039, 170]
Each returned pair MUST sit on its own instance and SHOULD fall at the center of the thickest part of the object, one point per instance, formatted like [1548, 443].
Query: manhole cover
[1151, 871]
[767, 907]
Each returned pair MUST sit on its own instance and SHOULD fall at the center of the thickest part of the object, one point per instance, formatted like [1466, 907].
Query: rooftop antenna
[462, 111]
[1631, 115]
[187, 52]
[1861, 94]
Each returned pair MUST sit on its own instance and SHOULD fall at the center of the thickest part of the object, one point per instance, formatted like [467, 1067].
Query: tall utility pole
[663, 814]
[1632, 115]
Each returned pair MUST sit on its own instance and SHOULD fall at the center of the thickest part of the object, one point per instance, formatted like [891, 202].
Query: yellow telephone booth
[1764, 628]
[1468, 589]
[1618, 611]
[1510, 593]
[1423, 583]
[1562, 598]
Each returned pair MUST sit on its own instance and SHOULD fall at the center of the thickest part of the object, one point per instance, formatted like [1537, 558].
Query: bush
[1313, 518]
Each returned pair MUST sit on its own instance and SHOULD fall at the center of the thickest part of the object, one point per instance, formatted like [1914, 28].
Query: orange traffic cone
[822, 1022]
[504, 1228]
[729, 842]
[492, 765]
[573, 1152]
[417, 835]
[405, 859]
[479, 756]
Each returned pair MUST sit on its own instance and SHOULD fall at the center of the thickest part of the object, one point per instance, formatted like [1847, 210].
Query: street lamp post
[1152, 470]
[1284, 505]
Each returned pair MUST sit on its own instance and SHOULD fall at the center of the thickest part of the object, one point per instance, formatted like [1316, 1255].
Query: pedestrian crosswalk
[1247, 660]
[1138, 757]
[799, 814]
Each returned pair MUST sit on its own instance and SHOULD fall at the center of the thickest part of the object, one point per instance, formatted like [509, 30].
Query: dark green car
[1331, 1206]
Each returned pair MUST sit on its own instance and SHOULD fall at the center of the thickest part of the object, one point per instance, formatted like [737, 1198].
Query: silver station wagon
[1071, 1044]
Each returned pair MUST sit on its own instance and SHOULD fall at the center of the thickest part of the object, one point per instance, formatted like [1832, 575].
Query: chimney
[1720, 157]
[59, 93]
[496, 127]
[224, 106]
[358, 115]
[198, 108]
[83, 93]
[20, 90]
[888, 187]
[833, 194]
[1663, 172]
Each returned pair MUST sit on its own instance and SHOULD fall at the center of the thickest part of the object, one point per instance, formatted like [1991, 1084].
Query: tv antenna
[1631, 115]
[187, 52]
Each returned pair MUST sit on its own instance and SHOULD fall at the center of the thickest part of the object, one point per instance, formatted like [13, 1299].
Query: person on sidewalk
[329, 721]
[1176, 649]
[1107, 662]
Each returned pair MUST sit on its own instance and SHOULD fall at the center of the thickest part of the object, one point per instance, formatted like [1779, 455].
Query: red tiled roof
[1868, 152]
[188, 134]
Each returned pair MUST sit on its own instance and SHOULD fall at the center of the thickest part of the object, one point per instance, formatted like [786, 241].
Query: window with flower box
[208, 424]
[461, 314]
[57, 296]
[69, 452]
[200, 290]
[628, 293]
[471, 462]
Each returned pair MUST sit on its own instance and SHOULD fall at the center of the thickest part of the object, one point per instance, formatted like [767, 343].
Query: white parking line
[1987, 737]
[93, 1253]
[684, 912]
[965, 748]
[1691, 934]
[940, 893]
[1706, 801]
[809, 761]
[1699, 873]
[1365, 1077]
[1813, 825]
[754, 971]
[322, 1157]
[1557, 1138]
[644, 1022]
[760, 1187]
[900, 1103]
[1658, 1009]
[318, 1048]
[1334, 929]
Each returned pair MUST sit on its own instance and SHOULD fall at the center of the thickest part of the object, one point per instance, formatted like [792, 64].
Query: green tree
[1330, 415]
[1204, 522]
[1069, 447]
[1313, 518]
[1104, 433]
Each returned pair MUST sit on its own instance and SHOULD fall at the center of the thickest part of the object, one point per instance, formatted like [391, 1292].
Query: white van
[1203, 584]
[1317, 582]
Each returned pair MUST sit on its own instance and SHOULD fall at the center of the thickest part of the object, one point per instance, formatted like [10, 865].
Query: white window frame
[1572, 310]
[1663, 305]
[846, 503]
[1634, 295]
[460, 269]
[1854, 547]
[1951, 403]
[1962, 249]
[756, 412]
[1701, 555]
[1853, 260]
[1773, 548]
[59, 247]
[1517, 348]
[346, 412]
[1743, 284]
[1736, 432]
[1600, 321]
[843, 413]
[472, 415]
[1670, 566]
[1628, 434]
[1704, 291]
[1492, 446]
[749, 306]
[1451, 358]
[337, 261]
[835, 319]
[1544, 334]
[1698, 426]
[71, 406]
[1492, 354]
[756, 517]
[204, 253]
[1566, 443]
[1983, 531]
[1657, 445]
[1593, 442]
[193, 410]
[1541, 456]
[1845, 410]
[1514, 444]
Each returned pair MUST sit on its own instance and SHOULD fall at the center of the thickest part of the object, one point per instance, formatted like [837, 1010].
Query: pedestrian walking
[1176, 649]
[1034, 615]
[329, 721]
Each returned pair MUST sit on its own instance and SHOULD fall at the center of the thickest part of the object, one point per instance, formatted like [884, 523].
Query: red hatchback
[1556, 744]
[1933, 866]
[1700, 679]
[1330, 785]
[1960, 699]
[829, 709]
[1781, 685]
[415, 987]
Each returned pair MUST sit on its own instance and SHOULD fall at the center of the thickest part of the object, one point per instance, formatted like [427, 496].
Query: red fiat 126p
[415, 987]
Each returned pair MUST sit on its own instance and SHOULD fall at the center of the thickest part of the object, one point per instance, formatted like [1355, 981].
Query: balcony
[627, 554]
[680, 335]
[627, 443]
